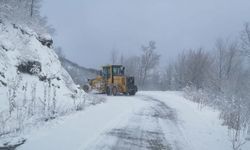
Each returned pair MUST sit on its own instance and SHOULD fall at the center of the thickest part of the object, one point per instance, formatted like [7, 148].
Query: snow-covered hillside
[33, 84]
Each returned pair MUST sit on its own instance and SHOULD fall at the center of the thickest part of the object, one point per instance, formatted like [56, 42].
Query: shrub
[30, 67]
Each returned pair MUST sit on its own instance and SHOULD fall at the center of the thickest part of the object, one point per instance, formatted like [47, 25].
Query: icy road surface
[147, 121]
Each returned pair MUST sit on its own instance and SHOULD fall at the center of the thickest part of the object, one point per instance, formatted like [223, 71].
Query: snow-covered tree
[25, 12]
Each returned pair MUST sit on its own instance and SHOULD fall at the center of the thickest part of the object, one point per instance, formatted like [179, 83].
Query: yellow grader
[112, 81]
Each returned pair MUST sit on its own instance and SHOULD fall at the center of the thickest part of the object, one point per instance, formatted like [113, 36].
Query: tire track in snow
[143, 131]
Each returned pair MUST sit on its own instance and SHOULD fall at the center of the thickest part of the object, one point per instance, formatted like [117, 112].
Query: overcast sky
[88, 30]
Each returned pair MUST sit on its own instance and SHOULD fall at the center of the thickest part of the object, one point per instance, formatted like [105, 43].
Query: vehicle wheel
[132, 93]
[108, 91]
[114, 90]
[86, 88]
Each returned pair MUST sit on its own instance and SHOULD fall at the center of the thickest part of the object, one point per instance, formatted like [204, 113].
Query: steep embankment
[33, 85]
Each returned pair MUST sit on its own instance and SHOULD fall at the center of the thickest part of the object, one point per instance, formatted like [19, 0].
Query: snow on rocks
[46, 40]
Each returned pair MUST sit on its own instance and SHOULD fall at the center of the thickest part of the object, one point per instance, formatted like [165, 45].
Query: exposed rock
[46, 40]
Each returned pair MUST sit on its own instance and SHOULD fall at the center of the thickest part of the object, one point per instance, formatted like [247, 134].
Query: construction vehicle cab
[112, 81]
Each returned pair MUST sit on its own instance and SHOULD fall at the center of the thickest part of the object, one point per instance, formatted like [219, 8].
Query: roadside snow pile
[34, 87]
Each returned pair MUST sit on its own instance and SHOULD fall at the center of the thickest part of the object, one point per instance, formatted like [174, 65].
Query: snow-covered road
[144, 128]
[149, 120]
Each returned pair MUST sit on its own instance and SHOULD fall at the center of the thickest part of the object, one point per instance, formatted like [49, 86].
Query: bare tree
[149, 60]
[168, 78]
[192, 69]
[227, 64]
[31, 8]
[31, 110]
[132, 65]
[180, 69]
[25, 94]
[236, 121]
[45, 98]
[219, 60]
[245, 39]
[54, 100]
[3, 123]
[12, 92]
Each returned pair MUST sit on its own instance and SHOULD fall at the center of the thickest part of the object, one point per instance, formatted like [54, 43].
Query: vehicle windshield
[118, 70]
[105, 72]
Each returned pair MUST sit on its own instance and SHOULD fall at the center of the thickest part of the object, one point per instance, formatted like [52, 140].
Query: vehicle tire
[132, 93]
[86, 88]
[114, 90]
[108, 91]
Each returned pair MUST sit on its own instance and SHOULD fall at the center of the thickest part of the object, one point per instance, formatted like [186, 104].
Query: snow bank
[202, 127]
